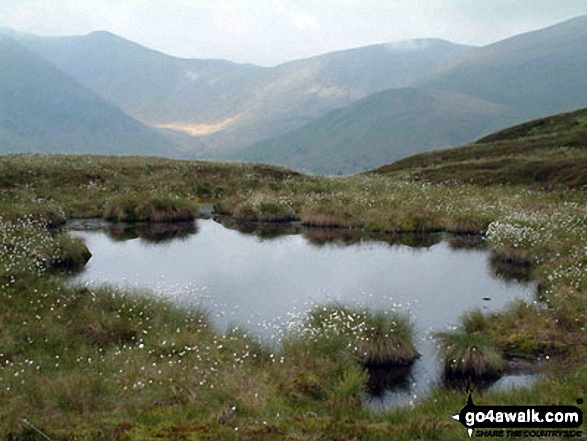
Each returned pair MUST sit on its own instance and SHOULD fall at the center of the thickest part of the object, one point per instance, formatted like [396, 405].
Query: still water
[262, 278]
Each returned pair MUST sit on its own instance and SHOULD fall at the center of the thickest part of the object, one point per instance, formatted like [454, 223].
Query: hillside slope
[547, 152]
[529, 76]
[44, 110]
[538, 73]
[386, 125]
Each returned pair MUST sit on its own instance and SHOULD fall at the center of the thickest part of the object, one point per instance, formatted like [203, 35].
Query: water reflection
[262, 230]
[384, 379]
[519, 373]
[466, 242]
[327, 236]
[510, 269]
[151, 232]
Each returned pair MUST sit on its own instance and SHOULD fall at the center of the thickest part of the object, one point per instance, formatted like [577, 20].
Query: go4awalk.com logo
[521, 421]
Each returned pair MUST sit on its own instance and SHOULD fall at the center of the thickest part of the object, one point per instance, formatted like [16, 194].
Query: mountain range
[337, 113]
[524, 77]
[222, 107]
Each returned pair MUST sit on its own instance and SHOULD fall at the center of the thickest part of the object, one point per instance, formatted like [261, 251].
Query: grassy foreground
[101, 364]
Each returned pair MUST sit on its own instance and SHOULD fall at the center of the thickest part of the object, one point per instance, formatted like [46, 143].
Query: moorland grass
[375, 338]
[149, 210]
[72, 361]
[468, 354]
[545, 153]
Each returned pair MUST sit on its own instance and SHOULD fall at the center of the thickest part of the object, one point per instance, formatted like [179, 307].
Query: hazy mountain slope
[548, 152]
[292, 94]
[44, 110]
[149, 85]
[381, 66]
[370, 131]
[227, 106]
[537, 73]
[524, 77]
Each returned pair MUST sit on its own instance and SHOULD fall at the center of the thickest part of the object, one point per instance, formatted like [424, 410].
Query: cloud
[268, 32]
[231, 20]
[307, 23]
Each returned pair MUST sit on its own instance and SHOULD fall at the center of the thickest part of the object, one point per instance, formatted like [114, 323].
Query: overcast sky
[269, 32]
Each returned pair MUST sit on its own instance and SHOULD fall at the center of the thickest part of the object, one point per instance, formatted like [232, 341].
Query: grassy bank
[545, 153]
[102, 364]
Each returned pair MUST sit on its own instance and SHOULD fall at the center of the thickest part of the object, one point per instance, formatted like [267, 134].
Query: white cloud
[307, 23]
[271, 31]
[231, 20]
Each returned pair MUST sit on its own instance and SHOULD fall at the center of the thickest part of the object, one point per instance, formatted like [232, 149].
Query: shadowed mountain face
[524, 77]
[149, 85]
[537, 74]
[214, 107]
[44, 110]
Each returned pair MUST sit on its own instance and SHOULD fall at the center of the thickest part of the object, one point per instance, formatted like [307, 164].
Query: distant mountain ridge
[42, 110]
[357, 137]
[524, 77]
[538, 73]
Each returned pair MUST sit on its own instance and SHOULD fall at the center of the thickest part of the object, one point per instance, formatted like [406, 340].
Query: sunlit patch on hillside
[324, 91]
[194, 76]
[198, 129]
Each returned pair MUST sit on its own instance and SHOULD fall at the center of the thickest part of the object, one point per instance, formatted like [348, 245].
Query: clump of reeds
[152, 210]
[468, 353]
[326, 220]
[375, 338]
[69, 253]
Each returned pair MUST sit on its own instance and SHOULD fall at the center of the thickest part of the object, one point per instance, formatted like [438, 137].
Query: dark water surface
[262, 279]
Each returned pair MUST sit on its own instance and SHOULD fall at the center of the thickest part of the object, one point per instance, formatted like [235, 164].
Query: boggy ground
[101, 364]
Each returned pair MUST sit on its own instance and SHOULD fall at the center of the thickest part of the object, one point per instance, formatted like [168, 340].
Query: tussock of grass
[70, 253]
[27, 247]
[376, 338]
[261, 207]
[153, 210]
[468, 352]
[470, 356]
[325, 220]
[526, 331]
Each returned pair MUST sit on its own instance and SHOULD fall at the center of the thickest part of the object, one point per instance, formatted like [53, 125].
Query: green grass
[151, 210]
[554, 125]
[549, 152]
[469, 354]
[72, 359]
[374, 337]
